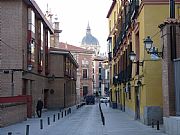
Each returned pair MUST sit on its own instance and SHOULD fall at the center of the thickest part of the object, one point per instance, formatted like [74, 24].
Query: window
[85, 74]
[40, 46]
[137, 45]
[99, 84]
[31, 38]
[100, 77]
[99, 70]
[46, 43]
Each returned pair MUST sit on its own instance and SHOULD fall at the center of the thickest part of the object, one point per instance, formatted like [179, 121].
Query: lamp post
[132, 57]
[148, 45]
[116, 77]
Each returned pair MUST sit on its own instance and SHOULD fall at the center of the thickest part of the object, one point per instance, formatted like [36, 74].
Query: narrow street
[84, 121]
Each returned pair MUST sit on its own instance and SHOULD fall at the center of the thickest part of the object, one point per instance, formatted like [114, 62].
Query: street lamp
[132, 57]
[116, 77]
[29, 67]
[148, 45]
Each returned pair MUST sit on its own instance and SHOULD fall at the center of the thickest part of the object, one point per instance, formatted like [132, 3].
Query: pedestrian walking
[39, 107]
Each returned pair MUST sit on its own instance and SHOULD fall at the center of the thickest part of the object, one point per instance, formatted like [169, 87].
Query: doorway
[137, 103]
[46, 91]
[85, 91]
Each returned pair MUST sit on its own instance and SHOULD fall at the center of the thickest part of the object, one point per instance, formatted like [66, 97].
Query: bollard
[9, 133]
[58, 116]
[41, 124]
[152, 123]
[62, 114]
[157, 125]
[27, 129]
[65, 113]
[54, 118]
[48, 120]
[69, 110]
[103, 120]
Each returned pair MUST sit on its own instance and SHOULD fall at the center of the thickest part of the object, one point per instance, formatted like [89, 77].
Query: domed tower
[90, 42]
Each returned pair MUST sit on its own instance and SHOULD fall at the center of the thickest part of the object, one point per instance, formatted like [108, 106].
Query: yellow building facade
[136, 86]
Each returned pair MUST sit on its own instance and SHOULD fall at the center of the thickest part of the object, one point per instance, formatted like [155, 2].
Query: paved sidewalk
[34, 122]
[119, 123]
[116, 123]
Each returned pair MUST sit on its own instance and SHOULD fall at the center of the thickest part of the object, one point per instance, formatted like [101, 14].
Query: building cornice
[111, 8]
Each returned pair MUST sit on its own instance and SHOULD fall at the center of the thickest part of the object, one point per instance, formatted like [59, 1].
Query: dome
[89, 39]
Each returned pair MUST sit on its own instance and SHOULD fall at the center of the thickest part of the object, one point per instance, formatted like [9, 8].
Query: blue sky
[74, 16]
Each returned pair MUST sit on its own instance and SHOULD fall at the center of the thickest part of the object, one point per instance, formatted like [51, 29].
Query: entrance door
[85, 90]
[46, 91]
[24, 89]
[137, 103]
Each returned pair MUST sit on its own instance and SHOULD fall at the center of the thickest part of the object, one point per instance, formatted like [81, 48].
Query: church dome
[89, 39]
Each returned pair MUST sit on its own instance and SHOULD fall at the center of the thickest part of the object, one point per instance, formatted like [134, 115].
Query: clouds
[74, 16]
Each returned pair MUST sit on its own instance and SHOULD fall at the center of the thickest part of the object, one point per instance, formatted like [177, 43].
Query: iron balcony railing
[110, 56]
[124, 76]
[130, 15]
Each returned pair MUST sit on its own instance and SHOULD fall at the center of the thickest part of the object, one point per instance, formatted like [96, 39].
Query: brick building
[28, 69]
[84, 59]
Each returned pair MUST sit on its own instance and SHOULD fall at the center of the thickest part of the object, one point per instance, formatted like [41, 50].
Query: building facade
[62, 81]
[28, 69]
[136, 86]
[84, 59]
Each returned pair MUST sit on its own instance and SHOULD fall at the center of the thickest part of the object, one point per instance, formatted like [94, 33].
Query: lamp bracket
[159, 54]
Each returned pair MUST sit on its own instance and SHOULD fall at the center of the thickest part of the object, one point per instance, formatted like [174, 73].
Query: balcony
[130, 15]
[110, 56]
[124, 76]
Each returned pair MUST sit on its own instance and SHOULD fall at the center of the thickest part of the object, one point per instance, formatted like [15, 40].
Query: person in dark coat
[39, 107]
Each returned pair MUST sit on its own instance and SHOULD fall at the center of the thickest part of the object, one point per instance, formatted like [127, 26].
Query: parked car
[90, 99]
[104, 99]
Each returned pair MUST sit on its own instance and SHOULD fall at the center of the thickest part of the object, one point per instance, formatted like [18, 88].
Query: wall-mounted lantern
[132, 57]
[148, 45]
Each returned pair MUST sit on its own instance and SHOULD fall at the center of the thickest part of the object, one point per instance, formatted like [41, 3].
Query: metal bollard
[9, 133]
[27, 129]
[103, 120]
[152, 123]
[41, 124]
[62, 114]
[65, 112]
[58, 116]
[157, 125]
[48, 120]
[54, 118]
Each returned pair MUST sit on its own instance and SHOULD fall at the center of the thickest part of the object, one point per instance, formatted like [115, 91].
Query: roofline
[65, 52]
[111, 8]
[35, 6]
